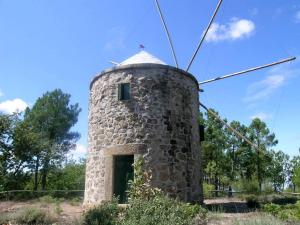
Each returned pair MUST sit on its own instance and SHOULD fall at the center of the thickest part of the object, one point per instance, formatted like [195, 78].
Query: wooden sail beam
[237, 133]
[248, 70]
[204, 35]
[167, 32]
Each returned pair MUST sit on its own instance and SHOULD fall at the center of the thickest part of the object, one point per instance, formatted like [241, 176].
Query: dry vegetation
[57, 211]
[70, 211]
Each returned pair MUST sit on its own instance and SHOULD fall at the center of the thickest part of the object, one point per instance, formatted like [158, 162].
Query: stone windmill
[145, 108]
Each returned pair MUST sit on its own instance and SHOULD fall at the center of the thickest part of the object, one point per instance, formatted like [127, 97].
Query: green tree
[279, 169]
[14, 157]
[296, 178]
[215, 161]
[295, 172]
[235, 149]
[260, 135]
[70, 176]
[6, 129]
[51, 117]
[27, 144]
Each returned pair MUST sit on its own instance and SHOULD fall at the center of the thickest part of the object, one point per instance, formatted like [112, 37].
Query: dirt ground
[68, 211]
[222, 211]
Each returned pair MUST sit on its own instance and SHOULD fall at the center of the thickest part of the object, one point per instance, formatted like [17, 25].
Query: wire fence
[30, 194]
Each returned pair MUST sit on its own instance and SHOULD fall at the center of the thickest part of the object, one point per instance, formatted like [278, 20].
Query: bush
[140, 186]
[105, 214]
[162, 210]
[284, 200]
[147, 206]
[159, 210]
[284, 212]
[47, 199]
[252, 201]
[247, 186]
[5, 218]
[271, 208]
[207, 190]
[34, 216]
[251, 186]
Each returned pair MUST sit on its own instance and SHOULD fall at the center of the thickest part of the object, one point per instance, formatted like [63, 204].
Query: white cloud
[79, 152]
[11, 106]
[264, 89]
[262, 116]
[80, 149]
[297, 17]
[234, 30]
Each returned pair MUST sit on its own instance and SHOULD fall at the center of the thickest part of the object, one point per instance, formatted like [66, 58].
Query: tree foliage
[52, 117]
[35, 144]
[229, 160]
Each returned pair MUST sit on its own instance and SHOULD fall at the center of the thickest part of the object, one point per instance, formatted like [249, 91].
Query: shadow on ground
[229, 207]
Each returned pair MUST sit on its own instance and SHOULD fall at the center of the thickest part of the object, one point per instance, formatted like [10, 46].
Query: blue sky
[62, 44]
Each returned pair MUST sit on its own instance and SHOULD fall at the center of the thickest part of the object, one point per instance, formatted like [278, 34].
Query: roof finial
[142, 46]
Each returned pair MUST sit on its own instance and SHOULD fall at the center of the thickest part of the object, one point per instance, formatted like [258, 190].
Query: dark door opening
[123, 172]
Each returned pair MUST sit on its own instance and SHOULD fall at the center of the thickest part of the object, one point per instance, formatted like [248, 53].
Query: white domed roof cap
[142, 57]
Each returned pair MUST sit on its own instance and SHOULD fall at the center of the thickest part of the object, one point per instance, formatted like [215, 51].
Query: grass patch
[285, 212]
[260, 220]
[34, 216]
[5, 218]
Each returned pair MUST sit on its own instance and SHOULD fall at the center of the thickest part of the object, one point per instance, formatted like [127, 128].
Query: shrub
[5, 218]
[207, 190]
[105, 214]
[282, 200]
[271, 208]
[57, 208]
[34, 216]
[252, 201]
[148, 206]
[47, 199]
[284, 212]
[247, 186]
[75, 201]
[141, 187]
[162, 210]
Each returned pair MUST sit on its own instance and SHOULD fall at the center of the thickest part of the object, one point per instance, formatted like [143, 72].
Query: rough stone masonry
[158, 123]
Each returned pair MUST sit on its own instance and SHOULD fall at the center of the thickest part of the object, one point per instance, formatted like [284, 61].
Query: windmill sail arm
[167, 32]
[237, 133]
[204, 35]
[248, 70]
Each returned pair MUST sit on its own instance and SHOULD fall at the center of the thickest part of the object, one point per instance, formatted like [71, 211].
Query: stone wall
[159, 123]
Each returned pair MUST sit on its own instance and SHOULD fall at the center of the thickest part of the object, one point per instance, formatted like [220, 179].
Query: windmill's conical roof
[142, 57]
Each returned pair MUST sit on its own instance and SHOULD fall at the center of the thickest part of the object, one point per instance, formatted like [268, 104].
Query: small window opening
[124, 91]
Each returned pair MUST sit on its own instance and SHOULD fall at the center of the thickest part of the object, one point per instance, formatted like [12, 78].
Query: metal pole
[167, 32]
[230, 127]
[249, 70]
[203, 37]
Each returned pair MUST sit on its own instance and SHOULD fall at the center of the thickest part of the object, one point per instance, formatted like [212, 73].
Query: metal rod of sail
[167, 32]
[248, 70]
[204, 35]
[229, 127]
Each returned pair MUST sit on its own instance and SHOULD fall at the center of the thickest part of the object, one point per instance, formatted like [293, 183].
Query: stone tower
[143, 108]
